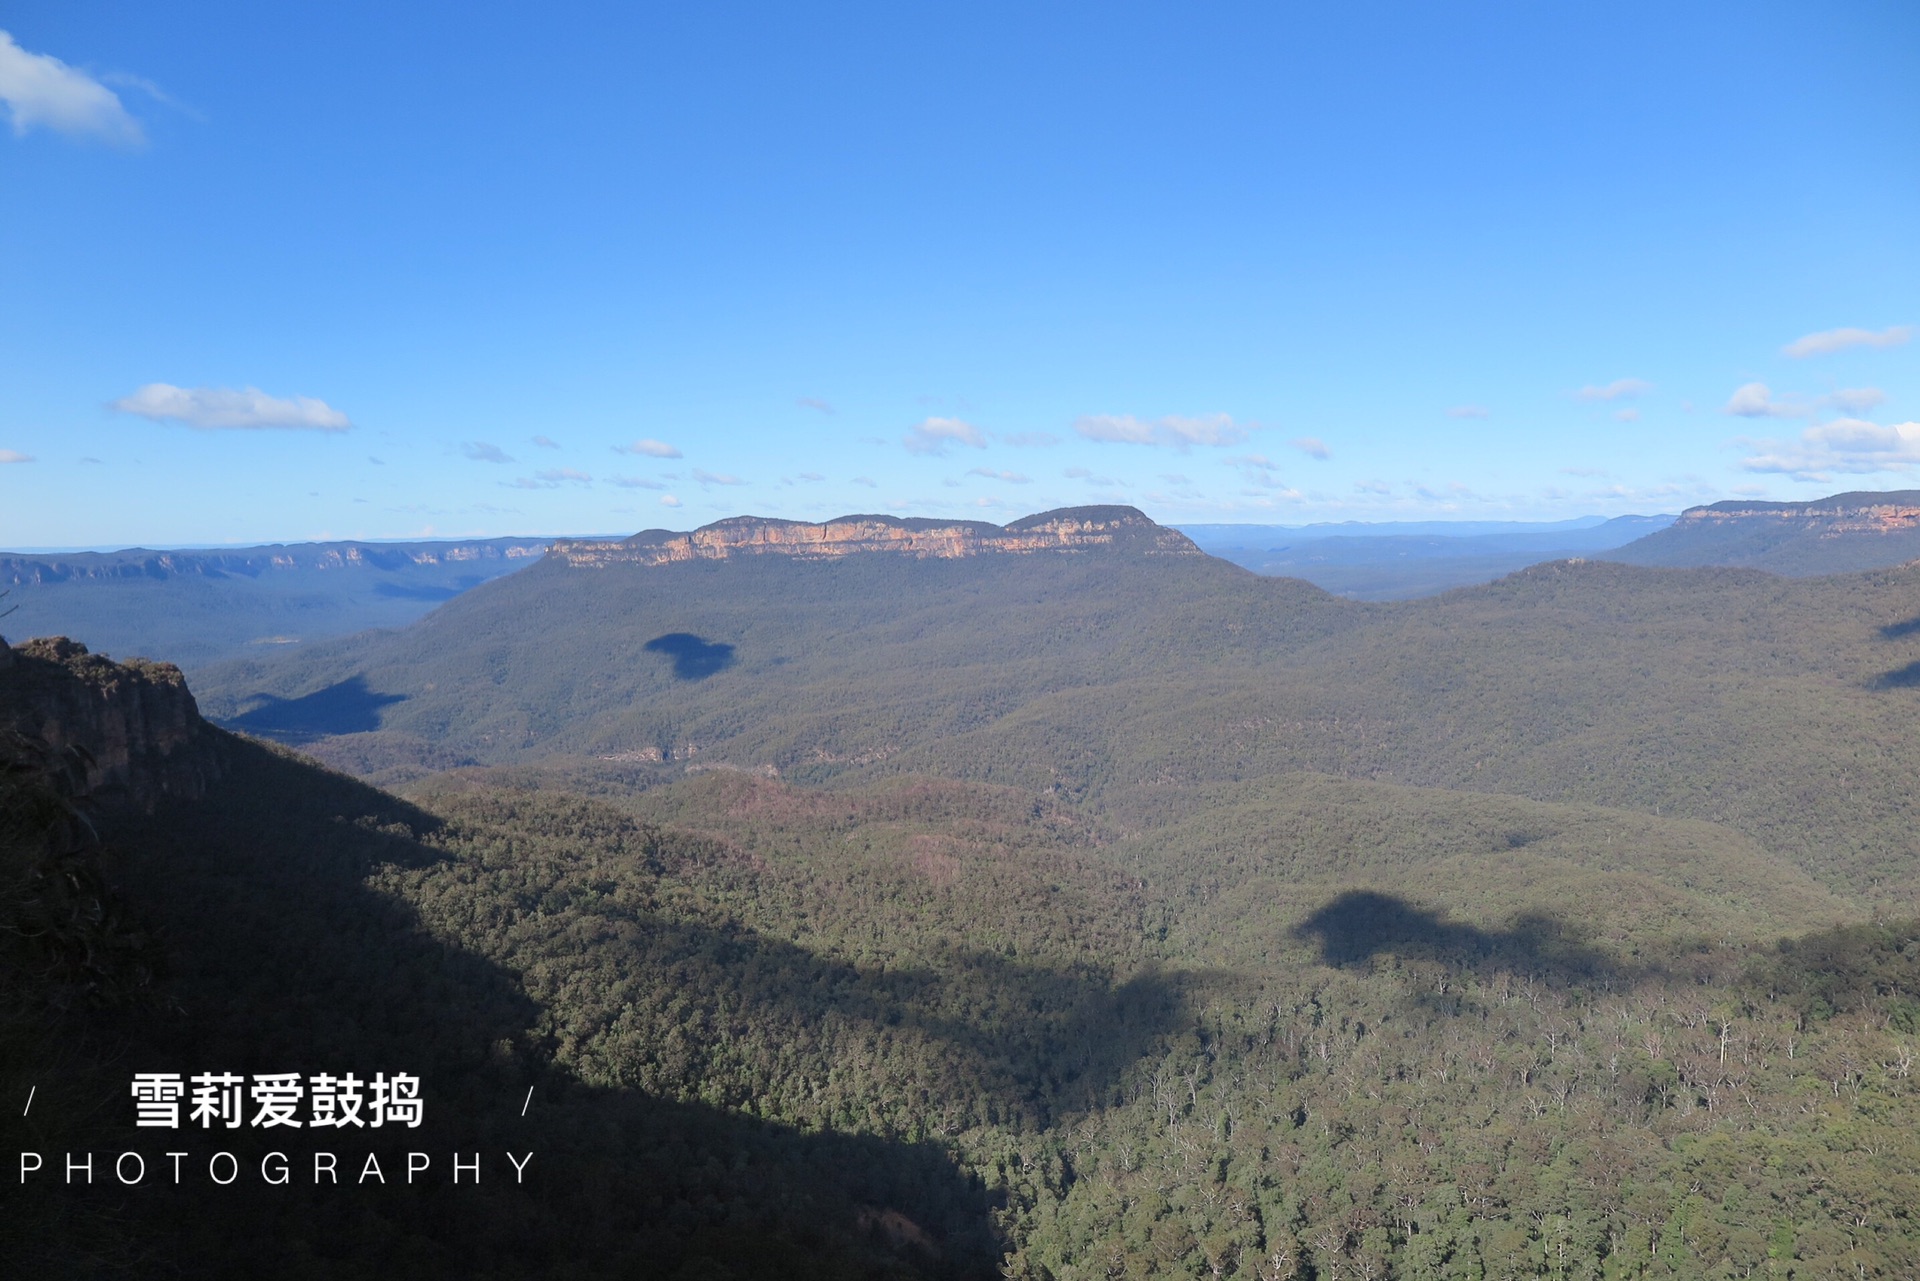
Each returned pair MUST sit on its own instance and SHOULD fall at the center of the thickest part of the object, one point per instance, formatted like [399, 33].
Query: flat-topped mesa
[1853, 513]
[1066, 529]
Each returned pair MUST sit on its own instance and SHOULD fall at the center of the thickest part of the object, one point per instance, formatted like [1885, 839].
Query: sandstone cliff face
[1069, 529]
[1861, 513]
[136, 720]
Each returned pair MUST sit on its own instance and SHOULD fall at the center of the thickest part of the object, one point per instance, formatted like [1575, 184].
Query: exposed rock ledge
[136, 719]
[1855, 513]
[1068, 529]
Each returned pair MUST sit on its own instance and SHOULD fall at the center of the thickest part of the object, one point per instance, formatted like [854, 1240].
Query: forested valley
[1249, 934]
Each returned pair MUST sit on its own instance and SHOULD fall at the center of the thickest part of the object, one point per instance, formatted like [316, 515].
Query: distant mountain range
[200, 607]
[1402, 560]
[1109, 672]
[193, 607]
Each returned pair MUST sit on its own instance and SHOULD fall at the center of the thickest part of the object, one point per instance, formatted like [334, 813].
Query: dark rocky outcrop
[136, 720]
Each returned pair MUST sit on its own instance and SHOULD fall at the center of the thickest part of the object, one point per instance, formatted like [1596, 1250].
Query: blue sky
[276, 273]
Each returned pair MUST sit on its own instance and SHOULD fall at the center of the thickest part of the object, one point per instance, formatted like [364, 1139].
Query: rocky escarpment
[1855, 513]
[135, 720]
[1838, 534]
[1068, 529]
[253, 562]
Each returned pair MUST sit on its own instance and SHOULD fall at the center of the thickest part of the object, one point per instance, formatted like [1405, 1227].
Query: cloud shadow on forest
[286, 955]
[1360, 924]
[694, 657]
[344, 707]
[1907, 677]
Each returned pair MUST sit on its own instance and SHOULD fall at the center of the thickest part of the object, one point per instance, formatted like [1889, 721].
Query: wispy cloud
[937, 435]
[482, 452]
[716, 478]
[1853, 401]
[42, 92]
[1011, 477]
[15, 456]
[1173, 431]
[1828, 341]
[812, 476]
[668, 500]
[1846, 445]
[553, 478]
[1260, 470]
[1312, 447]
[636, 482]
[228, 409]
[1626, 415]
[814, 403]
[1618, 389]
[867, 481]
[546, 442]
[1029, 439]
[649, 448]
[1469, 411]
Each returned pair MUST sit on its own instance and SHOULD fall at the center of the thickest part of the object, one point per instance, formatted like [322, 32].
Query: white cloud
[668, 500]
[1626, 415]
[1755, 400]
[936, 435]
[1847, 445]
[1828, 341]
[1029, 439]
[482, 452]
[225, 409]
[716, 478]
[1076, 473]
[814, 403]
[1173, 430]
[651, 448]
[1618, 389]
[546, 442]
[811, 476]
[15, 456]
[43, 92]
[1469, 411]
[636, 482]
[1312, 447]
[868, 481]
[1011, 477]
